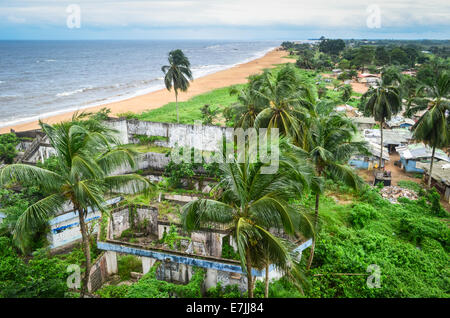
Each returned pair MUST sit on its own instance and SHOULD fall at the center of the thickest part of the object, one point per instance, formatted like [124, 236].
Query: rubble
[392, 193]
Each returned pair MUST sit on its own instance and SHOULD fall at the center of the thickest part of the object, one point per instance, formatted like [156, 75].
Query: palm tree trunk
[316, 221]
[86, 250]
[431, 167]
[381, 144]
[176, 102]
[249, 274]
[266, 290]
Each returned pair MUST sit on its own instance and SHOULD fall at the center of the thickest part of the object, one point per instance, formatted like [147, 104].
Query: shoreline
[237, 74]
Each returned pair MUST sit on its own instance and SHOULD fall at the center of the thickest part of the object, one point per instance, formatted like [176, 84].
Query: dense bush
[361, 213]
[229, 291]
[406, 241]
[113, 291]
[150, 287]
[43, 276]
[127, 264]
[8, 143]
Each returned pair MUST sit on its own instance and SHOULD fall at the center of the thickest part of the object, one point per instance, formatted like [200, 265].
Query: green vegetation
[150, 287]
[191, 109]
[407, 241]
[127, 264]
[8, 143]
[87, 155]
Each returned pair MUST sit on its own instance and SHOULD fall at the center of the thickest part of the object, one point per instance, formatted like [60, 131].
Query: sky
[223, 19]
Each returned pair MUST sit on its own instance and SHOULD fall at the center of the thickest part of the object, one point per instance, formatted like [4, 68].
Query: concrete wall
[201, 137]
[65, 228]
[120, 219]
[104, 266]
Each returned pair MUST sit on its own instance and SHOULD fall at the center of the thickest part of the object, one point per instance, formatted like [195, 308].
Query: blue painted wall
[410, 165]
[360, 164]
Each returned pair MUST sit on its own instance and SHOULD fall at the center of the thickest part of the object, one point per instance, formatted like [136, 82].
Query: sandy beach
[235, 75]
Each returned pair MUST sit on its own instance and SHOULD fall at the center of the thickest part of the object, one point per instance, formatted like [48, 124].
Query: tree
[381, 56]
[249, 103]
[8, 151]
[177, 74]
[252, 203]
[333, 47]
[399, 56]
[432, 127]
[383, 102]
[364, 56]
[329, 149]
[346, 92]
[87, 157]
[288, 100]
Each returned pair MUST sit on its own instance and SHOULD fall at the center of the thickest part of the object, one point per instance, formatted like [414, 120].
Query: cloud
[149, 14]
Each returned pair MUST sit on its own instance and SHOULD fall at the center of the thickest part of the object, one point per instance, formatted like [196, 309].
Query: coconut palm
[432, 127]
[346, 92]
[383, 102]
[252, 204]
[177, 74]
[249, 103]
[87, 155]
[329, 148]
[289, 101]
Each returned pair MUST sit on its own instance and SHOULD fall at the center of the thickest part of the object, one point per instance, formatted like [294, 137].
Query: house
[400, 122]
[369, 79]
[372, 161]
[349, 110]
[440, 176]
[411, 155]
[364, 122]
[391, 137]
[410, 72]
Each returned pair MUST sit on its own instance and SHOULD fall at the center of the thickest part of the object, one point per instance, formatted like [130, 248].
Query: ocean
[44, 78]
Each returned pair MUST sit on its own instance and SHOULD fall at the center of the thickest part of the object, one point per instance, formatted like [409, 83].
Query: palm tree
[346, 92]
[384, 101]
[87, 155]
[251, 204]
[289, 101]
[432, 127]
[177, 74]
[249, 103]
[329, 148]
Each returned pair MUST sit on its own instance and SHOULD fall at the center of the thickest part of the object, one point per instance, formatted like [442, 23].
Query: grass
[190, 110]
[151, 148]
[127, 264]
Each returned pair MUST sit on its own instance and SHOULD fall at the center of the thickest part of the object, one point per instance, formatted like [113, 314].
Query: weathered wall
[104, 266]
[120, 219]
[201, 137]
[65, 228]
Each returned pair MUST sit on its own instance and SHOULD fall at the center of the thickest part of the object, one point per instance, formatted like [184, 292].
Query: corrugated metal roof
[441, 171]
[420, 151]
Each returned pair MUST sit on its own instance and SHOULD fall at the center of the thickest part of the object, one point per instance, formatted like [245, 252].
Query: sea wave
[121, 91]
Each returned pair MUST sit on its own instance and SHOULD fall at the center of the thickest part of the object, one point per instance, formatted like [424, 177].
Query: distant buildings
[369, 79]
[364, 122]
[400, 122]
[413, 154]
[371, 160]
